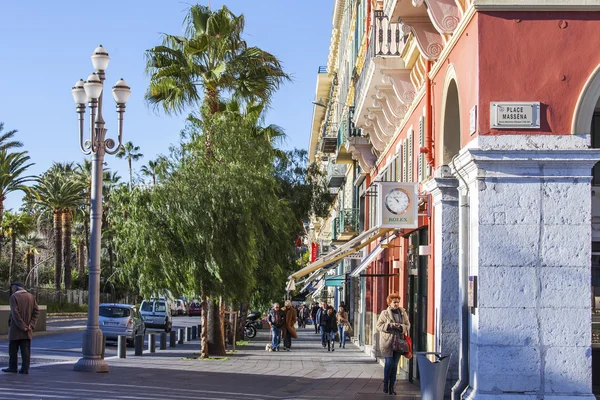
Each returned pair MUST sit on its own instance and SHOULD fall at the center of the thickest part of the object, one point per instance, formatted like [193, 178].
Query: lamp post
[91, 91]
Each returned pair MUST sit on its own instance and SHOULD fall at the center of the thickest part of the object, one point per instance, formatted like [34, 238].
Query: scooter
[251, 324]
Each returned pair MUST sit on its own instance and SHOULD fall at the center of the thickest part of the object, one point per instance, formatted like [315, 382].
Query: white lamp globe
[121, 92]
[93, 87]
[100, 58]
[78, 93]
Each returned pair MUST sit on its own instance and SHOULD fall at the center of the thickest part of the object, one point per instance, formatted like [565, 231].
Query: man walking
[276, 320]
[313, 316]
[24, 313]
[322, 321]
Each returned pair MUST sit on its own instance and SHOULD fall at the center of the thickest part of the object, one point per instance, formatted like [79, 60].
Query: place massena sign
[515, 115]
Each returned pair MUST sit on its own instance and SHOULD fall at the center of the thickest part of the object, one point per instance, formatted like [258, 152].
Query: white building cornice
[537, 5]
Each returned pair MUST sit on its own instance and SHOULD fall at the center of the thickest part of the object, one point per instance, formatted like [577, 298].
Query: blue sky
[45, 48]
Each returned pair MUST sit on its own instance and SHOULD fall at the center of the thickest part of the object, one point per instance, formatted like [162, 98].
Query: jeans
[342, 336]
[13, 347]
[323, 335]
[315, 324]
[276, 337]
[391, 369]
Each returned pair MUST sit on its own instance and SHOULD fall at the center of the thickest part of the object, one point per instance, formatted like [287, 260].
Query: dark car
[195, 308]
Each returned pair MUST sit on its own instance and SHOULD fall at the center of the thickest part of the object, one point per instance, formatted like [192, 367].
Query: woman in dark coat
[330, 328]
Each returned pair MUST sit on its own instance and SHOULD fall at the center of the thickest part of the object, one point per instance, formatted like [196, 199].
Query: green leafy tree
[131, 153]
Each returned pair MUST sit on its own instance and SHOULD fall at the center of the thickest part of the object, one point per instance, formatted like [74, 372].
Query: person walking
[24, 313]
[393, 324]
[342, 320]
[330, 328]
[321, 320]
[289, 331]
[276, 320]
[313, 316]
[302, 316]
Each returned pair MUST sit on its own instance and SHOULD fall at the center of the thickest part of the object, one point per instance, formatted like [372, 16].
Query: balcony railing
[336, 174]
[322, 69]
[387, 40]
[335, 231]
[349, 220]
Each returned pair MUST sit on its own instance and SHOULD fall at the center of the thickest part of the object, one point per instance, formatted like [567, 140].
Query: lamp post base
[93, 352]
[91, 365]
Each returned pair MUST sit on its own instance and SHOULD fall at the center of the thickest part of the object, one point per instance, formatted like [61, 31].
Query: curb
[46, 333]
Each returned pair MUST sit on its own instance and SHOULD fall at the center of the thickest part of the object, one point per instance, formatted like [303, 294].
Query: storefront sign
[397, 203]
[355, 256]
[334, 281]
[515, 115]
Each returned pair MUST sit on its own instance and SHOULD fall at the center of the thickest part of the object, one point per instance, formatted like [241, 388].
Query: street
[65, 346]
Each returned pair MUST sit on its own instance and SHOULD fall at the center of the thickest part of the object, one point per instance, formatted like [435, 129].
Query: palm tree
[32, 244]
[60, 195]
[153, 169]
[4, 145]
[12, 178]
[131, 153]
[209, 59]
[15, 225]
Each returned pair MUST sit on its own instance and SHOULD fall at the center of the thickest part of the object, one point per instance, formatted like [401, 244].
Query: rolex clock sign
[398, 206]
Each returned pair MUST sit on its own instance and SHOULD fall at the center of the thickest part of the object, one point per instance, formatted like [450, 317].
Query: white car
[157, 314]
[181, 307]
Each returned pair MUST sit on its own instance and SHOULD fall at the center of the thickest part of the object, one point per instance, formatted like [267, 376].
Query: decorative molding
[429, 40]
[401, 84]
[444, 14]
[395, 107]
[586, 105]
[462, 26]
[362, 152]
[375, 140]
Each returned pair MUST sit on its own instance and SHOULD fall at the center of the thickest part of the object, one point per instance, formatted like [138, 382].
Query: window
[147, 306]
[160, 306]
[115, 312]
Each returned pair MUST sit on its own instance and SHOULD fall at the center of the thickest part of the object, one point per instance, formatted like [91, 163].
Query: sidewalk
[307, 372]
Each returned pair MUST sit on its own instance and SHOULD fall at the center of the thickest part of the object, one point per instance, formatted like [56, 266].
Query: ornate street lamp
[91, 91]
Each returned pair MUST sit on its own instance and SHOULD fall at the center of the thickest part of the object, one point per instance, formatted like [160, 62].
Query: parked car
[181, 307]
[121, 319]
[195, 308]
[157, 314]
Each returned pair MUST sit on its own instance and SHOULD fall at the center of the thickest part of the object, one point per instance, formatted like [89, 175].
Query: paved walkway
[307, 372]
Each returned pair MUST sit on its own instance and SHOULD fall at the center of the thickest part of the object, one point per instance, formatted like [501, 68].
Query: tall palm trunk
[86, 259]
[13, 255]
[1, 215]
[57, 248]
[130, 174]
[66, 246]
[81, 260]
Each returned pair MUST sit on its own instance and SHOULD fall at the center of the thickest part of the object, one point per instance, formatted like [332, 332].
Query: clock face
[397, 201]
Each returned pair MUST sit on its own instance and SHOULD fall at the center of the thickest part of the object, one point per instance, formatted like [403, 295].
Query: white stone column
[444, 193]
[530, 248]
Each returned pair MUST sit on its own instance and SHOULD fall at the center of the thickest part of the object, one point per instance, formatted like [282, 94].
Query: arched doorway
[451, 134]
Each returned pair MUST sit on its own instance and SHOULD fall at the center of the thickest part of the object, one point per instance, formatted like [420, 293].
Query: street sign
[355, 256]
[515, 115]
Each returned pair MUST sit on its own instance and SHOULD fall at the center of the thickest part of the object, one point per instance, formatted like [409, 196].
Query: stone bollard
[172, 339]
[122, 346]
[188, 333]
[194, 332]
[139, 345]
[152, 342]
[199, 330]
[163, 340]
[180, 335]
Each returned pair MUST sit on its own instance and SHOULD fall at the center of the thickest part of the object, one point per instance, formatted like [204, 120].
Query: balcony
[336, 174]
[347, 225]
[328, 144]
[335, 229]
